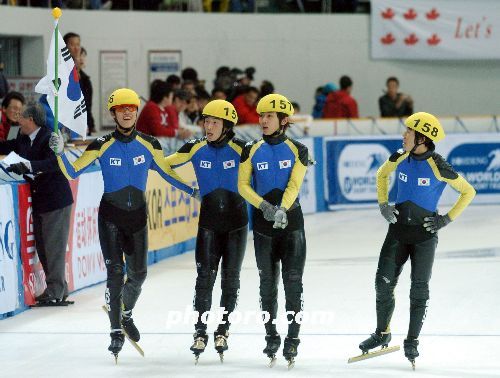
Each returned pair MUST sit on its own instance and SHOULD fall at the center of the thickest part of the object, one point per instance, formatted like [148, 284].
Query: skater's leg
[422, 259]
[269, 267]
[109, 236]
[292, 250]
[393, 256]
[232, 258]
[135, 247]
[136, 256]
[207, 256]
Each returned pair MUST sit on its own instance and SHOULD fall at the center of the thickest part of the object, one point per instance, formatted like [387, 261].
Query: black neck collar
[124, 138]
[423, 156]
[276, 139]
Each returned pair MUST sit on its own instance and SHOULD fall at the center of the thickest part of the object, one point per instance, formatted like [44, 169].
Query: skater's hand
[56, 143]
[389, 212]
[280, 218]
[18, 168]
[268, 210]
[432, 224]
[196, 194]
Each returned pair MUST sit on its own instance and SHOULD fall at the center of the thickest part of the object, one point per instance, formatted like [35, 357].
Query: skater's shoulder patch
[445, 169]
[397, 155]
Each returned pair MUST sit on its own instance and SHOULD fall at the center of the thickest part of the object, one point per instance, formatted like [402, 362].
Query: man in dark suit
[51, 199]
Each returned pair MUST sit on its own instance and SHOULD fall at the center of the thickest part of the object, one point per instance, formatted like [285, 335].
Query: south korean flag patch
[424, 181]
[229, 164]
[284, 164]
[139, 160]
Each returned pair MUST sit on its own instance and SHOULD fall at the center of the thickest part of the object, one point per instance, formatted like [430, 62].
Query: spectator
[341, 104]
[246, 106]
[87, 90]
[12, 106]
[394, 104]
[266, 88]
[160, 116]
[320, 97]
[224, 79]
[4, 85]
[174, 82]
[190, 115]
[296, 107]
[218, 94]
[203, 98]
[51, 199]
[190, 73]
[189, 86]
[243, 81]
[72, 41]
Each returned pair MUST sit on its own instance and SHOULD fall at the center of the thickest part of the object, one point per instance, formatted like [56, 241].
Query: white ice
[460, 337]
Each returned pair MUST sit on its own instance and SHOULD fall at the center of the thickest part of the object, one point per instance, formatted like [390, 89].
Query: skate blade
[196, 358]
[272, 361]
[116, 358]
[221, 356]
[377, 353]
[291, 363]
[134, 344]
[412, 364]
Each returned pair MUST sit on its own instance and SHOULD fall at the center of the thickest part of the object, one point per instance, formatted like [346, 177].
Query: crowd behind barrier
[347, 154]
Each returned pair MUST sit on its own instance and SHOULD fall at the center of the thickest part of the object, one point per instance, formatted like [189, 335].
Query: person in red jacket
[10, 113]
[340, 104]
[159, 117]
[246, 106]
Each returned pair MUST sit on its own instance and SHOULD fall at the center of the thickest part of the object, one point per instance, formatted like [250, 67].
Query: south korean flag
[284, 164]
[229, 164]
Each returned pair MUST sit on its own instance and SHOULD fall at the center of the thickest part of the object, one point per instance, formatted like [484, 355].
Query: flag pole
[56, 13]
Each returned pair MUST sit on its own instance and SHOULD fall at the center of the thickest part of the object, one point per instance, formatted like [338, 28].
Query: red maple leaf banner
[388, 14]
[432, 15]
[388, 39]
[411, 40]
[434, 40]
[410, 14]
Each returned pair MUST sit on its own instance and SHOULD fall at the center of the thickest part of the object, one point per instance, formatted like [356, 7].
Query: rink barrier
[342, 177]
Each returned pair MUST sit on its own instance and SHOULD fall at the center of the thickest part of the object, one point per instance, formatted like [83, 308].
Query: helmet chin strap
[415, 146]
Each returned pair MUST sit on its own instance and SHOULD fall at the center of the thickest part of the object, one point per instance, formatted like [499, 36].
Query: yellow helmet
[221, 109]
[275, 103]
[426, 124]
[123, 96]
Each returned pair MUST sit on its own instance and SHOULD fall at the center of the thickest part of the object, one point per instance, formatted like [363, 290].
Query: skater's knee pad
[384, 286]
[115, 270]
[230, 279]
[292, 281]
[419, 290]
[137, 278]
[205, 279]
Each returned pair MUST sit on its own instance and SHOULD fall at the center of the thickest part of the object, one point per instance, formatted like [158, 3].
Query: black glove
[432, 224]
[196, 194]
[18, 168]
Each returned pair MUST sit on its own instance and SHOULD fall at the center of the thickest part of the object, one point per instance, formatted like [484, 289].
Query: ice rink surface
[460, 337]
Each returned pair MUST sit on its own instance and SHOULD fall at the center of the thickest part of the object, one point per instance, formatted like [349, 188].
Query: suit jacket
[50, 190]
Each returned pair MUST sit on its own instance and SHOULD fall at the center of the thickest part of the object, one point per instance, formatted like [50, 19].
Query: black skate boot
[117, 340]
[129, 326]
[273, 344]
[199, 344]
[411, 351]
[290, 350]
[220, 343]
[375, 340]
